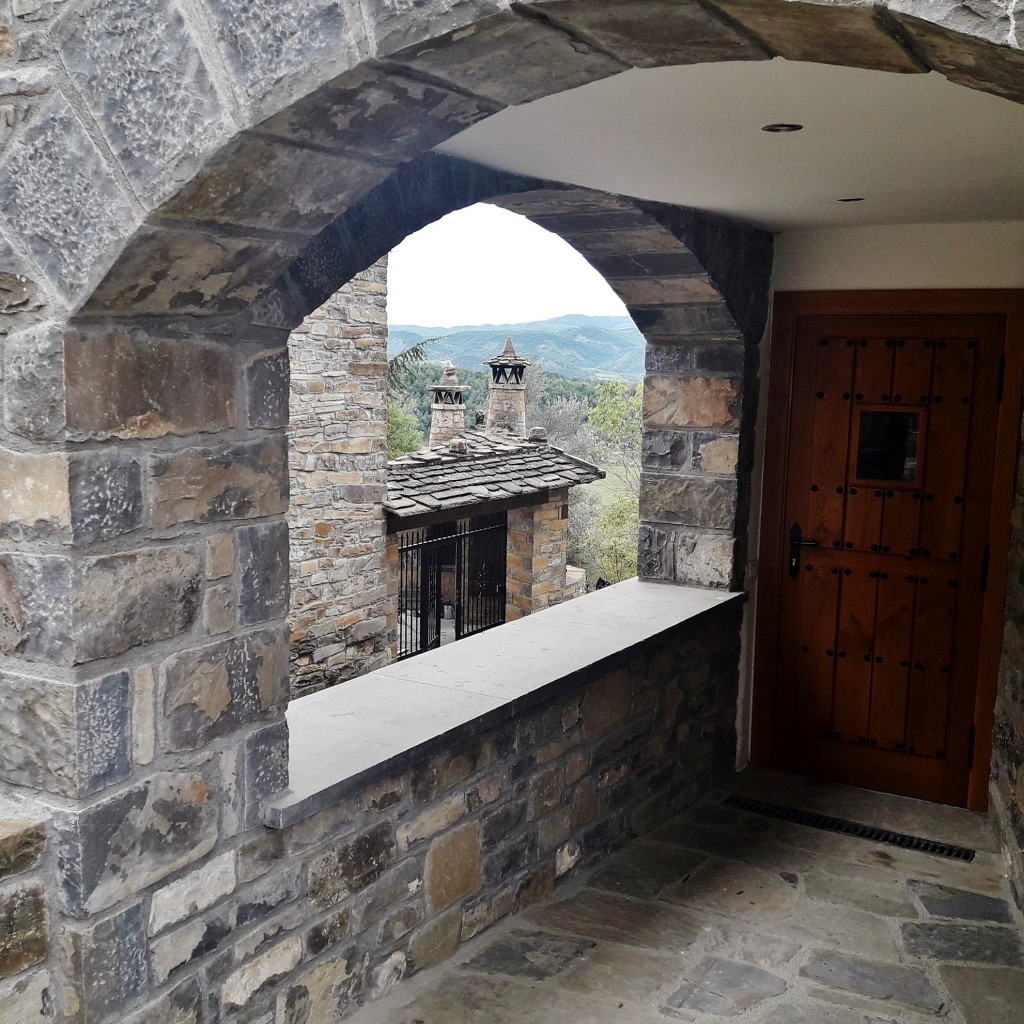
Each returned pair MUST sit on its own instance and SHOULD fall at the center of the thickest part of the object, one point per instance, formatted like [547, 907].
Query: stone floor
[726, 916]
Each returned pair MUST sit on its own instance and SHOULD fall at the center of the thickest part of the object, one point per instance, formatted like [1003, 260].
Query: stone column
[340, 607]
[143, 594]
[536, 559]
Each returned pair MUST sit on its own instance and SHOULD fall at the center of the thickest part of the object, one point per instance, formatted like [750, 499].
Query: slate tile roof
[493, 467]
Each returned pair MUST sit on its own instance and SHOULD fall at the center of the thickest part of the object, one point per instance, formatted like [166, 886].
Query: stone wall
[342, 618]
[1007, 789]
[317, 918]
[536, 560]
[25, 996]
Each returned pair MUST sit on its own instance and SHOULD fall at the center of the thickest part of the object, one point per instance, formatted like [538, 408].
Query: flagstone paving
[725, 916]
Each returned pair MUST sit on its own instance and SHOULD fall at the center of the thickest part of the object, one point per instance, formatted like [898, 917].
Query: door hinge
[984, 566]
[970, 747]
[1002, 378]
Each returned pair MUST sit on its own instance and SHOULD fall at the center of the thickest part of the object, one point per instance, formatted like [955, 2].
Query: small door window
[887, 445]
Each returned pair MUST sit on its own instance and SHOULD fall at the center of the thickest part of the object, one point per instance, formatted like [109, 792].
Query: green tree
[618, 420]
[614, 547]
[403, 432]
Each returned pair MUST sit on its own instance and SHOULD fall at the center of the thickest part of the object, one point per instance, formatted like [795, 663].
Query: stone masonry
[342, 619]
[181, 183]
[537, 543]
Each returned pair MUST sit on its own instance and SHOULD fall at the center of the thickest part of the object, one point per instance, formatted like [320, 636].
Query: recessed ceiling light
[780, 127]
[851, 199]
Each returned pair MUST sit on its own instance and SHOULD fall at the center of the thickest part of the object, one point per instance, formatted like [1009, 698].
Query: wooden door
[887, 427]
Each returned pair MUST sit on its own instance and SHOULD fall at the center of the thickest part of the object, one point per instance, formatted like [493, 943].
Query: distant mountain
[586, 347]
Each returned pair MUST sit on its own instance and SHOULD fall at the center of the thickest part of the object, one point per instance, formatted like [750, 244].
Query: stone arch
[259, 125]
[695, 284]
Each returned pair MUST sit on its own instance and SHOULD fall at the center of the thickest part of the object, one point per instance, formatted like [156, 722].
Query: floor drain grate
[850, 828]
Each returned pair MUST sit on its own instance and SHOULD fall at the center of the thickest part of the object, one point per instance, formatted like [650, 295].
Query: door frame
[787, 308]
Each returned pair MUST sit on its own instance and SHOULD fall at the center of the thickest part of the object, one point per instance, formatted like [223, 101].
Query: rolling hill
[585, 347]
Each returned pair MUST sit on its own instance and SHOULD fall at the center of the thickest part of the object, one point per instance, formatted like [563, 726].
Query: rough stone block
[957, 52]
[453, 867]
[106, 496]
[135, 598]
[509, 60]
[428, 824]
[845, 34]
[672, 402]
[266, 383]
[960, 904]
[436, 941]
[28, 999]
[653, 33]
[907, 986]
[219, 606]
[140, 73]
[66, 738]
[263, 559]
[220, 556]
[106, 964]
[265, 184]
[385, 115]
[192, 893]
[22, 843]
[667, 449]
[688, 501]
[266, 769]
[203, 485]
[655, 553]
[976, 944]
[270, 966]
[35, 608]
[265, 44]
[181, 1005]
[703, 559]
[54, 175]
[718, 454]
[725, 988]
[137, 387]
[33, 494]
[124, 844]
[171, 270]
[350, 866]
[173, 950]
[24, 929]
[33, 382]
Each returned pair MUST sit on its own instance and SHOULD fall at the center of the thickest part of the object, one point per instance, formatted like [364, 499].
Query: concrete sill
[351, 734]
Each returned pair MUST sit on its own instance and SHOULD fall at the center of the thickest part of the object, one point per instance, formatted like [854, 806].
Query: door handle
[796, 542]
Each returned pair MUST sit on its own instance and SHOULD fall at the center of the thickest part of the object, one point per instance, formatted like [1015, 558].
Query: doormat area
[855, 829]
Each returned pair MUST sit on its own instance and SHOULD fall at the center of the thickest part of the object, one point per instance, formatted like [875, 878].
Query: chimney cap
[508, 357]
[538, 435]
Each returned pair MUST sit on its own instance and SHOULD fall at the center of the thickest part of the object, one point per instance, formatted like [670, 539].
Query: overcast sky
[484, 265]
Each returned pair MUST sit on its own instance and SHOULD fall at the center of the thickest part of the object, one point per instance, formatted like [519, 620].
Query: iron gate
[458, 566]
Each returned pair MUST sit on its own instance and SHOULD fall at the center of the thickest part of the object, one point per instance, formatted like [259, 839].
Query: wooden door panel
[890, 426]
[810, 631]
[892, 659]
[854, 642]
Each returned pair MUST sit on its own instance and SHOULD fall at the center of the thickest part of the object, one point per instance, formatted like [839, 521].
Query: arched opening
[169, 238]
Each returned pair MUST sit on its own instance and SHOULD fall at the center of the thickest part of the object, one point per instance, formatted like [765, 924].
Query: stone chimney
[448, 408]
[506, 394]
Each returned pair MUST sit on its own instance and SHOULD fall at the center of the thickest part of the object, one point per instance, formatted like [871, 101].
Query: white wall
[890, 256]
[901, 256]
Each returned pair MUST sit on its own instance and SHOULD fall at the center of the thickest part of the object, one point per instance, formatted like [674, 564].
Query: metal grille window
[451, 582]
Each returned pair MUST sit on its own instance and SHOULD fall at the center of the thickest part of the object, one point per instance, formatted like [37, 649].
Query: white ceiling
[918, 148]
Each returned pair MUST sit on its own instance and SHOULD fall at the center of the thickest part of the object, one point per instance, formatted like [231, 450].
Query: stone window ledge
[346, 736]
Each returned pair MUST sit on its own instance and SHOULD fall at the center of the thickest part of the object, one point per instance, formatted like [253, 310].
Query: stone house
[478, 520]
[181, 184]
[351, 514]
